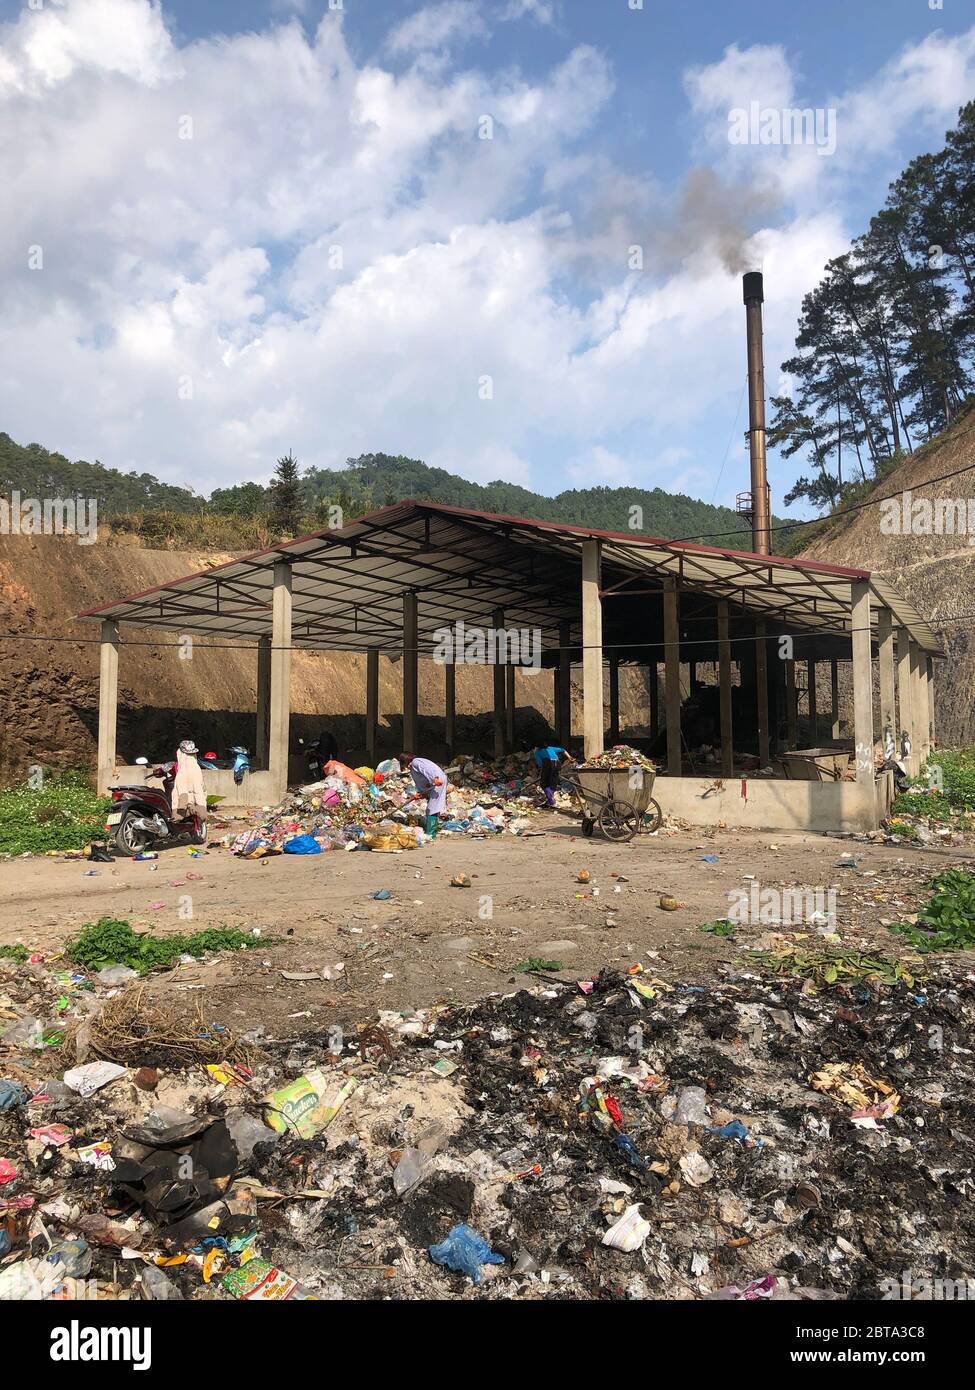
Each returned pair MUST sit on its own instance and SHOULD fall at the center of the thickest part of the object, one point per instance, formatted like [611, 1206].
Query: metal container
[817, 764]
[616, 784]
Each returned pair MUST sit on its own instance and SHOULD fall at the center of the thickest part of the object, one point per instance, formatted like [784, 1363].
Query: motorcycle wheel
[129, 840]
[200, 832]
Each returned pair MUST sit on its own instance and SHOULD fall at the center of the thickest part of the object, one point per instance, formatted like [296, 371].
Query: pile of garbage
[626, 1136]
[620, 757]
[377, 809]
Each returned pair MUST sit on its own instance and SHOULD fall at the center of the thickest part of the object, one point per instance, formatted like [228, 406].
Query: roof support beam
[592, 650]
[862, 685]
[724, 682]
[107, 705]
[672, 676]
[280, 704]
[410, 682]
[499, 689]
[905, 695]
[262, 742]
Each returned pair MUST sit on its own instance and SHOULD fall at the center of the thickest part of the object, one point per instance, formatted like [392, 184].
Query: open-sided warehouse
[421, 579]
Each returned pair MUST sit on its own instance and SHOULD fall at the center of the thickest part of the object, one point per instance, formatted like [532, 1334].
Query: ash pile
[628, 1137]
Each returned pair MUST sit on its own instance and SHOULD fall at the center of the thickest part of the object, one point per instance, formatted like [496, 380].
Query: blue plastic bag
[301, 844]
[630, 1151]
[733, 1130]
[12, 1095]
[465, 1251]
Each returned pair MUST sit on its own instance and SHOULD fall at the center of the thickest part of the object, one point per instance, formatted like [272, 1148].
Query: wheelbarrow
[616, 799]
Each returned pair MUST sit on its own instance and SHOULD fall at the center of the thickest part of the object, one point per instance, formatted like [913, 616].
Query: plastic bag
[92, 1076]
[465, 1251]
[12, 1095]
[416, 1160]
[302, 844]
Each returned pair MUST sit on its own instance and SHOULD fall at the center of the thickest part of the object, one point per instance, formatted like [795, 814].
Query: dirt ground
[433, 943]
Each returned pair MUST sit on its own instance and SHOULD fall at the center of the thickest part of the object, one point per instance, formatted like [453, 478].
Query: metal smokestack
[754, 294]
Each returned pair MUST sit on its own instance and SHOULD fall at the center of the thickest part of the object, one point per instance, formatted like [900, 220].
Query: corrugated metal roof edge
[625, 538]
[580, 532]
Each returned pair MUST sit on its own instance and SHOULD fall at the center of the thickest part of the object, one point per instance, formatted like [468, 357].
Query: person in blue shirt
[549, 758]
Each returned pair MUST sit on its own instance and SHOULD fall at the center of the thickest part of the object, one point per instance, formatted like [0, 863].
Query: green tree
[246, 499]
[285, 495]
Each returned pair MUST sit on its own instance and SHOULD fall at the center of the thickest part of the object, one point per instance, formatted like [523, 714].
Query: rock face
[936, 572]
[49, 684]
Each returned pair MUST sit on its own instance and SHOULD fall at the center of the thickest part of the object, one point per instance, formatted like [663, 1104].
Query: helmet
[209, 755]
[188, 746]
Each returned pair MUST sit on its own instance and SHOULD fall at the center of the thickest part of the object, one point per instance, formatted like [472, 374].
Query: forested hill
[380, 479]
[364, 484]
[35, 472]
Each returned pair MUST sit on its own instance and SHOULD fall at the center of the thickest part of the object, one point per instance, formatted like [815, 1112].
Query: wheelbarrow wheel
[588, 826]
[652, 817]
[619, 821]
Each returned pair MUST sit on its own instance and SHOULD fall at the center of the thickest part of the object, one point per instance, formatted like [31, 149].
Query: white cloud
[47, 47]
[760, 73]
[541, 10]
[921, 89]
[437, 26]
[335, 262]
[918, 91]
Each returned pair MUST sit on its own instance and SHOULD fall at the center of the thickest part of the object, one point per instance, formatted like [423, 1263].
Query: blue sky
[267, 226]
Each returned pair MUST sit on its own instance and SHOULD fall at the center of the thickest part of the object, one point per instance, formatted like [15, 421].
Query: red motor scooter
[143, 815]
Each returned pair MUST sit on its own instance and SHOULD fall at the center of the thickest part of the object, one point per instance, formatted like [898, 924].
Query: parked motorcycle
[317, 754]
[242, 762]
[239, 764]
[143, 815]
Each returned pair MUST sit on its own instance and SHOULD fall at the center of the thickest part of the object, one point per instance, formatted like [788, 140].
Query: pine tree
[285, 496]
[886, 340]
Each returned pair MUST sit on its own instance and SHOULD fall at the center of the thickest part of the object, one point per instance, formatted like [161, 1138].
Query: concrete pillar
[509, 707]
[813, 706]
[932, 738]
[791, 706]
[922, 675]
[263, 739]
[888, 706]
[563, 708]
[724, 683]
[411, 656]
[905, 696]
[672, 675]
[372, 704]
[592, 649]
[450, 706]
[497, 620]
[919, 703]
[862, 684]
[280, 704]
[107, 705]
[834, 695]
[614, 697]
[761, 694]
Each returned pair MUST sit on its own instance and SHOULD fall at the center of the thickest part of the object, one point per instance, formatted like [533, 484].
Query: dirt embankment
[49, 670]
[936, 572]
